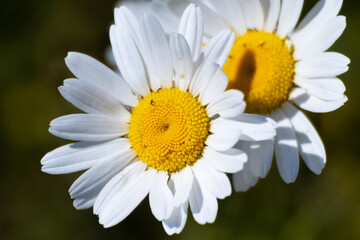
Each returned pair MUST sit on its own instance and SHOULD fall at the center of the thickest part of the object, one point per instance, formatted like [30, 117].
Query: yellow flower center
[168, 129]
[262, 66]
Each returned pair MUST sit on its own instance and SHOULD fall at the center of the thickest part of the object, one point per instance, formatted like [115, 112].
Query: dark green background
[36, 36]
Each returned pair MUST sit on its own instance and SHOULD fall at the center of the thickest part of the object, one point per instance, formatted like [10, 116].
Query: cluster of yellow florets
[168, 129]
[262, 66]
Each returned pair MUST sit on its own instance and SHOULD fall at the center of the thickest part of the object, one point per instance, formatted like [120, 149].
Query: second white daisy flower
[277, 63]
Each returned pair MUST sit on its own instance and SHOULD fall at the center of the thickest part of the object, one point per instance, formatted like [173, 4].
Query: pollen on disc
[262, 66]
[168, 129]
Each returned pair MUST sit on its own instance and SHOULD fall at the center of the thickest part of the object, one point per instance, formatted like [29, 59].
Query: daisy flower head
[281, 65]
[165, 127]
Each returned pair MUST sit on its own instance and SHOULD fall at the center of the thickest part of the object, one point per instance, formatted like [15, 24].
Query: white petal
[226, 127]
[213, 23]
[183, 182]
[232, 13]
[137, 7]
[260, 156]
[126, 20]
[218, 48]
[319, 40]
[117, 183]
[311, 147]
[84, 203]
[203, 204]
[254, 14]
[255, 127]
[327, 64]
[160, 197]
[221, 142]
[244, 179]
[313, 104]
[88, 69]
[229, 161]
[191, 26]
[169, 20]
[156, 53]
[202, 77]
[182, 60]
[215, 87]
[88, 186]
[78, 156]
[228, 104]
[126, 199]
[289, 16]
[272, 16]
[176, 222]
[87, 127]
[286, 147]
[328, 89]
[321, 13]
[128, 60]
[91, 99]
[216, 182]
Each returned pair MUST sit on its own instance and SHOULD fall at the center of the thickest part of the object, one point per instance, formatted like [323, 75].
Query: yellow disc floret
[262, 66]
[168, 129]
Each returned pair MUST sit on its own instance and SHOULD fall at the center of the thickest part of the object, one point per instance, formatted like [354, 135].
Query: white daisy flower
[166, 127]
[277, 64]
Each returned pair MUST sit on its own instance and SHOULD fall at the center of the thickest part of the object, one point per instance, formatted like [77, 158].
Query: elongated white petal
[156, 53]
[213, 22]
[183, 183]
[203, 204]
[88, 127]
[160, 197]
[255, 127]
[221, 142]
[226, 127]
[286, 147]
[272, 16]
[311, 147]
[319, 14]
[313, 104]
[191, 26]
[289, 16]
[182, 60]
[215, 87]
[202, 77]
[88, 69]
[216, 182]
[320, 40]
[125, 19]
[232, 12]
[229, 161]
[91, 99]
[327, 64]
[217, 48]
[84, 203]
[169, 20]
[138, 8]
[126, 199]
[228, 104]
[254, 14]
[260, 154]
[88, 186]
[116, 183]
[176, 222]
[244, 179]
[328, 89]
[78, 156]
[128, 60]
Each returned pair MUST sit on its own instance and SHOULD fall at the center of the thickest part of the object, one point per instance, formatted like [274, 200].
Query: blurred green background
[36, 36]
